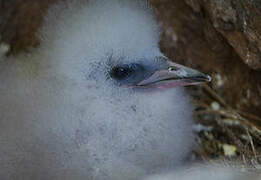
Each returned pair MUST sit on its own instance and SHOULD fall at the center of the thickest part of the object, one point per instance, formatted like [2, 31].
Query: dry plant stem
[215, 95]
[200, 104]
[255, 134]
[250, 116]
[242, 148]
[231, 113]
[251, 143]
[228, 114]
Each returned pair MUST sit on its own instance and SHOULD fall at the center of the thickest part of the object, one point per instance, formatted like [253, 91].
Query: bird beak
[174, 75]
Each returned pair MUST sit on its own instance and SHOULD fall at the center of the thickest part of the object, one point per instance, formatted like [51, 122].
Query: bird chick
[94, 101]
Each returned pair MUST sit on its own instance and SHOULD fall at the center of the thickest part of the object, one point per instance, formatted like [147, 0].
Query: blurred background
[222, 38]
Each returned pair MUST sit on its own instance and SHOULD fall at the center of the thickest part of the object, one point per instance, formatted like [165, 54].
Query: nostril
[172, 69]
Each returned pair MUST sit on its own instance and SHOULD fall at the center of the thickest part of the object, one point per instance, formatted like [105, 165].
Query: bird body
[78, 107]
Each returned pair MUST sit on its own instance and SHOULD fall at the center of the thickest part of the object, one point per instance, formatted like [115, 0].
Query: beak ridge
[175, 75]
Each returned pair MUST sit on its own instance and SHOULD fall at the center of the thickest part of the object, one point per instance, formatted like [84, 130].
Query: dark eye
[121, 72]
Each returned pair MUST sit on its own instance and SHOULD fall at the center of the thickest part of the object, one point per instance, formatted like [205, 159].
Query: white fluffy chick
[94, 100]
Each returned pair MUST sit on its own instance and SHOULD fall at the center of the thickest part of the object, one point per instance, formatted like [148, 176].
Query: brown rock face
[19, 21]
[239, 23]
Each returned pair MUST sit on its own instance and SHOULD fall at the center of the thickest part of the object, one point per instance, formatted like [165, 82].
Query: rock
[239, 22]
[19, 21]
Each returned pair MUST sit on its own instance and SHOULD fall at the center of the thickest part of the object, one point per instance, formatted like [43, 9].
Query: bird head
[115, 41]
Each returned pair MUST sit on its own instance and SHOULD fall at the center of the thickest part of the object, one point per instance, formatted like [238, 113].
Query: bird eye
[121, 72]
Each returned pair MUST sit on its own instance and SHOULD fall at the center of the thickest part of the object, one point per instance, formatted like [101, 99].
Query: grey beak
[174, 75]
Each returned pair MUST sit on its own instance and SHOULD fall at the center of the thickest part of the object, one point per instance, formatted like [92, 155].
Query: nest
[225, 133]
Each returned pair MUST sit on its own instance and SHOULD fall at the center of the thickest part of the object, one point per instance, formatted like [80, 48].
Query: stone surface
[19, 21]
[238, 22]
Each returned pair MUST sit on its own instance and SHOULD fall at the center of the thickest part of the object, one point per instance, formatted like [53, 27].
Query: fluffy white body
[63, 117]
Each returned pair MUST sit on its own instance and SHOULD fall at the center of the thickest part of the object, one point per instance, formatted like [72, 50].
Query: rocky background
[222, 38]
